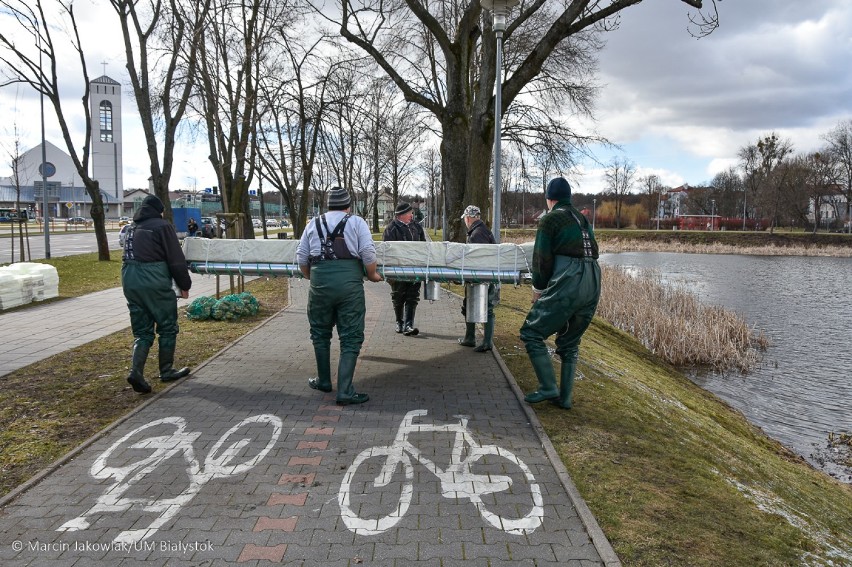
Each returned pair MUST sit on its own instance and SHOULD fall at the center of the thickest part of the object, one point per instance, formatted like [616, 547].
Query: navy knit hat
[154, 202]
[338, 198]
[402, 208]
[558, 190]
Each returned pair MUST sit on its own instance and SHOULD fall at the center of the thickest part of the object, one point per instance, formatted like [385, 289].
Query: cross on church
[104, 63]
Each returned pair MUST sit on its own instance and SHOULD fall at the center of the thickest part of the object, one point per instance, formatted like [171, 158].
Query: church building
[66, 195]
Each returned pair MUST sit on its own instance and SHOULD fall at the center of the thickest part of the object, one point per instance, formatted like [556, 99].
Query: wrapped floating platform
[403, 261]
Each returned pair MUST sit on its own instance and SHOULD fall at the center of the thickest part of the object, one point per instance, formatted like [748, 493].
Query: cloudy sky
[681, 107]
[677, 106]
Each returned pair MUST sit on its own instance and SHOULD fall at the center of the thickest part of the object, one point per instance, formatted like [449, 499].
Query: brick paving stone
[279, 524]
[274, 553]
[255, 502]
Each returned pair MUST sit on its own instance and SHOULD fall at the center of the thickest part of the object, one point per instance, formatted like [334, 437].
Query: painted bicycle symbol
[475, 472]
[218, 464]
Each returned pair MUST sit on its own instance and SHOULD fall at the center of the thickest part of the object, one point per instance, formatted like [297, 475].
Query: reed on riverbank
[671, 322]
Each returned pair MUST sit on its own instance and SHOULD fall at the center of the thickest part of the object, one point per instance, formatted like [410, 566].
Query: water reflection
[802, 391]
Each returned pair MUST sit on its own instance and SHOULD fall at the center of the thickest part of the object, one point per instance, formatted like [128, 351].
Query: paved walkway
[39, 332]
[242, 463]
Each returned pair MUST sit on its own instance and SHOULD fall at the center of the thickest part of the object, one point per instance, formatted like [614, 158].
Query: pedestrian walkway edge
[52, 467]
[599, 539]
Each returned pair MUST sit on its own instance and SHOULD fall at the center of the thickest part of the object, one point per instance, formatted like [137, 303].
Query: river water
[803, 389]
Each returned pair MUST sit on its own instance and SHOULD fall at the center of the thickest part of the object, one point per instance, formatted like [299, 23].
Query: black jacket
[478, 233]
[153, 239]
[398, 230]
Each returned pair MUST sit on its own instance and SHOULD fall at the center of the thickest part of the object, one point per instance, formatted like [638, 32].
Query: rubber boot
[346, 393]
[410, 330]
[469, 335]
[397, 309]
[488, 331]
[136, 378]
[167, 372]
[566, 383]
[323, 380]
[546, 380]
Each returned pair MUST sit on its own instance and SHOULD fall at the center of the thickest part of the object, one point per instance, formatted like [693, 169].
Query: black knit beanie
[558, 189]
[154, 202]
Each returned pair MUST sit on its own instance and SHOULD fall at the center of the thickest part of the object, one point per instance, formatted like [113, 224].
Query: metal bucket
[432, 290]
[477, 302]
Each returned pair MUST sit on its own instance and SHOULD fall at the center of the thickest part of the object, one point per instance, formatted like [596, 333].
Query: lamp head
[499, 21]
[499, 10]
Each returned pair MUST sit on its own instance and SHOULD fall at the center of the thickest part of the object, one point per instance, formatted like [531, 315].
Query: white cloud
[685, 106]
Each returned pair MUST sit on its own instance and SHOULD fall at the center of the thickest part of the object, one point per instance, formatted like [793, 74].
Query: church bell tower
[105, 101]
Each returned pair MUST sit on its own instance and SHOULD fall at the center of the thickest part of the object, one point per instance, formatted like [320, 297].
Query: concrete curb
[599, 539]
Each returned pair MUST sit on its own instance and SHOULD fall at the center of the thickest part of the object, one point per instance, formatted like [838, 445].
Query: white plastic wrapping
[497, 257]
[23, 282]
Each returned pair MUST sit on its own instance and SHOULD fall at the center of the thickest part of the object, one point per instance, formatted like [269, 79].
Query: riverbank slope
[674, 475]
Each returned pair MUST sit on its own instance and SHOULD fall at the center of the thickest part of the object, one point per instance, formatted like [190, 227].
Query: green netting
[250, 302]
[228, 308]
[200, 308]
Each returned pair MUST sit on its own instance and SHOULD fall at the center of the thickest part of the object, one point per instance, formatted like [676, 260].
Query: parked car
[255, 222]
[123, 221]
[271, 223]
[78, 220]
[285, 223]
[122, 235]
[207, 227]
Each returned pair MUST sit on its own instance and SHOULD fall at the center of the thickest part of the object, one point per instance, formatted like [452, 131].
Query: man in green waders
[566, 283]
[152, 263]
[335, 250]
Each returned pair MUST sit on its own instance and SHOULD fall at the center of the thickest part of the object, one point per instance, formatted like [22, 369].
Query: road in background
[62, 243]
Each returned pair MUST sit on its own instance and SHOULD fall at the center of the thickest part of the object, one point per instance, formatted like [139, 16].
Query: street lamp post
[45, 169]
[499, 9]
[594, 212]
[659, 206]
[712, 214]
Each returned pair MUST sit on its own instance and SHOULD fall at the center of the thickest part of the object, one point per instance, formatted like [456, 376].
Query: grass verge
[50, 407]
[673, 475]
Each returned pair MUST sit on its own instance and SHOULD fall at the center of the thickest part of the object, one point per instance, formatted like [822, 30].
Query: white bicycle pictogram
[457, 481]
[218, 464]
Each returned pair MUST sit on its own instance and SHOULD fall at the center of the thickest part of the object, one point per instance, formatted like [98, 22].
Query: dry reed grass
[671, 322]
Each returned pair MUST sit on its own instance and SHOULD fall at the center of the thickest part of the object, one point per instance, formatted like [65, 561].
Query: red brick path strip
[253, 552]
[304, 479]
[314, 461]
[283, 524]
[312, 445]
[292, 499]
[334, 418]
[276, 553]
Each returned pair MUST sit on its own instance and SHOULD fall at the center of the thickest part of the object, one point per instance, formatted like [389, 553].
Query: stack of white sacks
[25, 282]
